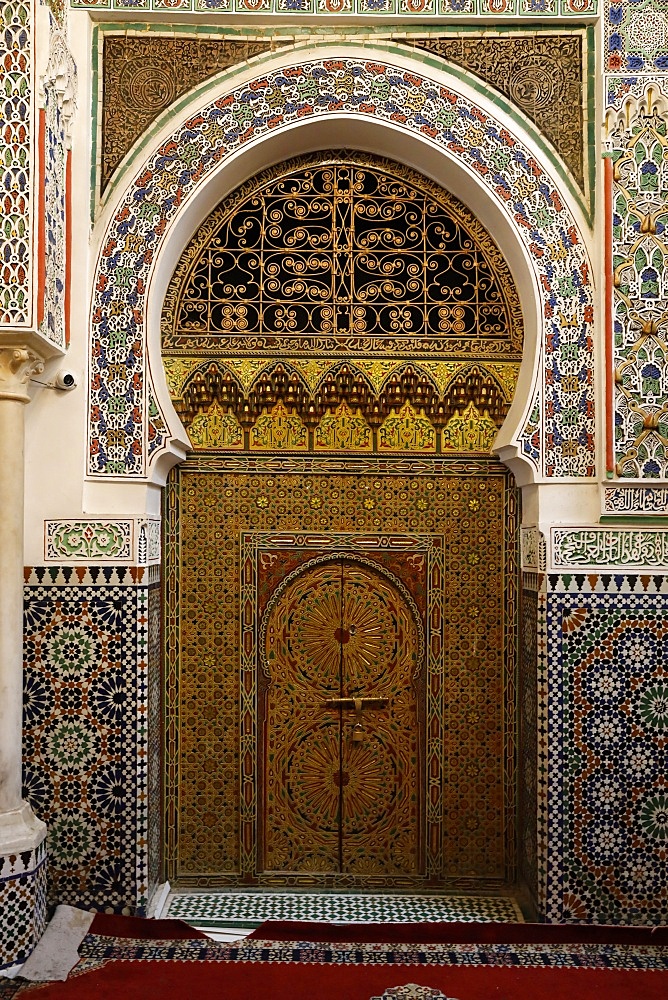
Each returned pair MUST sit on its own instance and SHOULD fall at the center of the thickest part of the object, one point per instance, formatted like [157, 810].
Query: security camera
[65, 379]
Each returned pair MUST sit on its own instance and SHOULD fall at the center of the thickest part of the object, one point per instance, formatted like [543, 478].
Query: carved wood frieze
[542, 75]
[144, 74]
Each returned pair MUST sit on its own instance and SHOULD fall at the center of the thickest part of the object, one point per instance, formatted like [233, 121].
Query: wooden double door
[285, 593]
[341, 697]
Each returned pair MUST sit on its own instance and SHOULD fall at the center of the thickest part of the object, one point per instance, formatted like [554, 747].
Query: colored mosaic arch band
[120, 442]
[423, 9]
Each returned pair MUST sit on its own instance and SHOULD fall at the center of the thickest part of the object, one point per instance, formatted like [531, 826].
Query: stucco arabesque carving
[17, 366]
[651, 100]
[631, 548]
[635, 500]
[61, 77]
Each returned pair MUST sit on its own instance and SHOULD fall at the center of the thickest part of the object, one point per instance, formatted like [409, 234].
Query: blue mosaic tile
[608, 756]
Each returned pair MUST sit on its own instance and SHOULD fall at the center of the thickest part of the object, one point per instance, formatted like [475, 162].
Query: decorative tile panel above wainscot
[88, 540]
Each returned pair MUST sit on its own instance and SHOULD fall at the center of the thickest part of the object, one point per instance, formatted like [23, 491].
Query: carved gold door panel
[342, 734]
[264, 783]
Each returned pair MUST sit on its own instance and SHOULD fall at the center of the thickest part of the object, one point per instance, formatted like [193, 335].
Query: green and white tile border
[613, 549]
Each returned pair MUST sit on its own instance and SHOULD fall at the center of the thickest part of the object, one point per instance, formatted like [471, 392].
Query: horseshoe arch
[385, 101]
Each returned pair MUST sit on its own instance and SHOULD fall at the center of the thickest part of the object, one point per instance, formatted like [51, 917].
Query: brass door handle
[356, 704]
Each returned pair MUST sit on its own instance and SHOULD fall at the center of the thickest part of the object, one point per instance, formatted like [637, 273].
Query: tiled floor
[215, 911]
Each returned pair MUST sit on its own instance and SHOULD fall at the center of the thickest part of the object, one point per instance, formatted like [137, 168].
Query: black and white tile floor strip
[215, 911]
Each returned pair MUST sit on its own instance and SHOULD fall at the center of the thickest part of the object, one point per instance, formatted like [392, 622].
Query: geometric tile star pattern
[609, 756]
[85, 768]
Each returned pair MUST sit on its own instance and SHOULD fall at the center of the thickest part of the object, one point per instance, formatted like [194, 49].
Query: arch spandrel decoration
[342, 302]
[558, 439]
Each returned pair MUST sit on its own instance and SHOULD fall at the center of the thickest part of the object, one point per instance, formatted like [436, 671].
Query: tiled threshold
[227, 914]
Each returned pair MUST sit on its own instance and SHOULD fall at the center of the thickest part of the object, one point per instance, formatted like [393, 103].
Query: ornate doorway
[342, 340]
[342, 742]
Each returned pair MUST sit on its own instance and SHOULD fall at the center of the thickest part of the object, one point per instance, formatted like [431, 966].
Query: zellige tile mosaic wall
[608, 749]
[23, 909]
[85, 731]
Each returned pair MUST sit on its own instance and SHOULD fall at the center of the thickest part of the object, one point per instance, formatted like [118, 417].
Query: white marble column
[21, 833]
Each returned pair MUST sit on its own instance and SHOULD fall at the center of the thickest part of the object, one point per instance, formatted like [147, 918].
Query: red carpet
[111, 925]
[123, 959]
[440, 933]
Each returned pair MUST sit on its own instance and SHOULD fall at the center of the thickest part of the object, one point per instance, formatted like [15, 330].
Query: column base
[22, 886]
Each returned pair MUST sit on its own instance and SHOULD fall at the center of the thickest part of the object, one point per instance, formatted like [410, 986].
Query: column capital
[18, 364]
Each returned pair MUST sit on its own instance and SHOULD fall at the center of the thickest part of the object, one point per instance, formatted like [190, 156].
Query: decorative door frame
[475, 146]
[357, 548]
[145, 225]
[371, 547]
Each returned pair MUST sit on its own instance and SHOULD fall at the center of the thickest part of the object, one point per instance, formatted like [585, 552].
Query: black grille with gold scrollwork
[340, 302]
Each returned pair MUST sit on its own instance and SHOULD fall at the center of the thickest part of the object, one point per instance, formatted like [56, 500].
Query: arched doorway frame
[162, 195]
[172, 189]
[195, 507]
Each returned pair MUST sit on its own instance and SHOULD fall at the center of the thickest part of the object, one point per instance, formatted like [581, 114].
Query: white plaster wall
[56, 421]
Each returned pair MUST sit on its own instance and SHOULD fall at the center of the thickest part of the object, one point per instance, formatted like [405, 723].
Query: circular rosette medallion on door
[342, 739]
